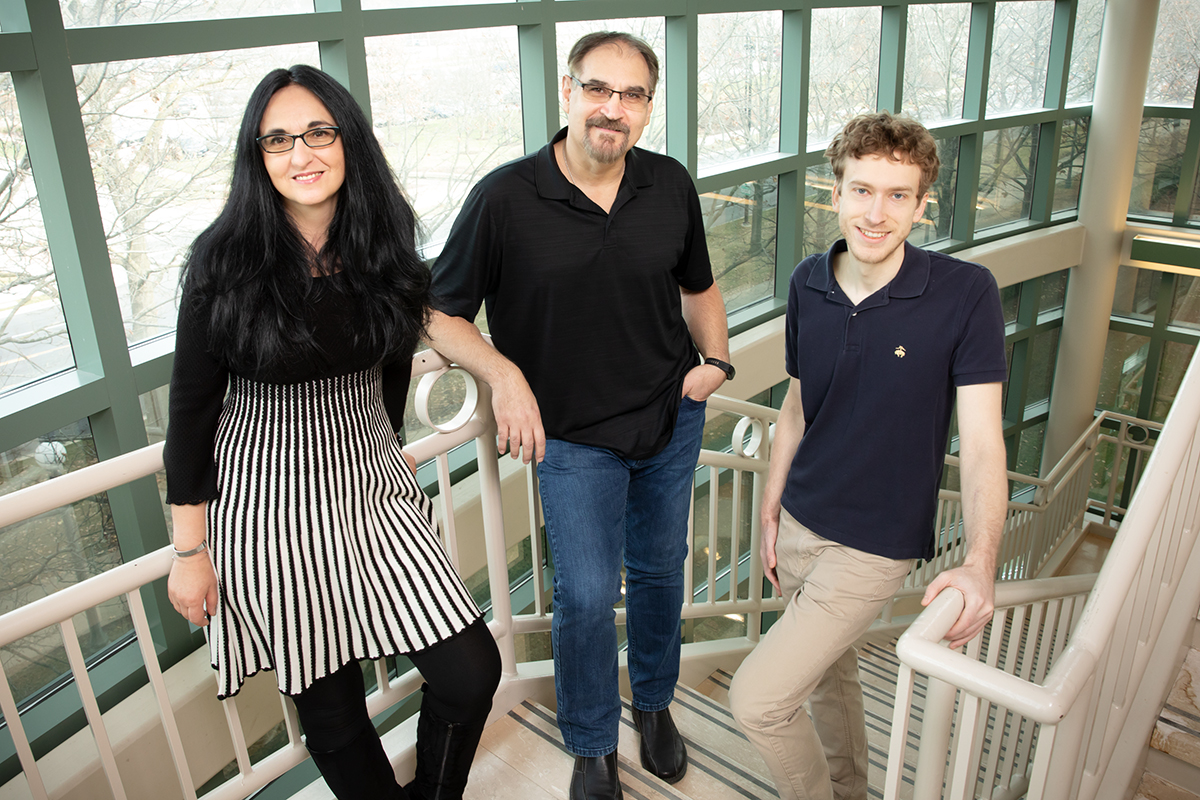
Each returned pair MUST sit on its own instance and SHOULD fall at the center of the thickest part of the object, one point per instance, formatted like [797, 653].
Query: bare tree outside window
[1085, 51]
[843, 69]
[447, 109]
[1175, 62]
[935, 62]
[87, 13]
[738, 85]
[1020, 56]
[33, 330]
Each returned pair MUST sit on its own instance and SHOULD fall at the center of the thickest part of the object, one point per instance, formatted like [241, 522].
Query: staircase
[1175, 755]
[522, 754]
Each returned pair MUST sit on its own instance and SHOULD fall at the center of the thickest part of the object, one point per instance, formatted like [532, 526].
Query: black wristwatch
[724, 366]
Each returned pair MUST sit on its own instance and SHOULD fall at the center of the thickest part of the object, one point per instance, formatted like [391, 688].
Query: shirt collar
[910, 281]
[552, 184]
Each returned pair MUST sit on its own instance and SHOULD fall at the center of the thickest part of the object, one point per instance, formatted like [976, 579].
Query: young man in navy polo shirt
[883, 339]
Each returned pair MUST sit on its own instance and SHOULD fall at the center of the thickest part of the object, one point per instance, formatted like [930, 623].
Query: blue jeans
[600, 507]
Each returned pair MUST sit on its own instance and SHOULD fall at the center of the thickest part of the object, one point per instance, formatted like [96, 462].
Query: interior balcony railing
[724, 582]
[1057, 697]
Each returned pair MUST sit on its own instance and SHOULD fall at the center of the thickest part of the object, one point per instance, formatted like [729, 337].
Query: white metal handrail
[1085, 702]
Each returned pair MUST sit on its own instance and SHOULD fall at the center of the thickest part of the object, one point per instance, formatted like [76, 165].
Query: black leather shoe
[595, 778]
[663, 753]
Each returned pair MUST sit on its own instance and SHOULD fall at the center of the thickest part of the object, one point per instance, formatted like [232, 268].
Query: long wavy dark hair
[254, 270]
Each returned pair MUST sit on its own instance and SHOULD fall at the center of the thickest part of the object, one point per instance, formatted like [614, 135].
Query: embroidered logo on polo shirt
[900, 351]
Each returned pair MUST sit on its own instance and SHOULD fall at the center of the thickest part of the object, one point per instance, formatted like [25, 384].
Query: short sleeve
[469, 267]
[792, 323]
[979, 355]
[198, 386]
[694, 271]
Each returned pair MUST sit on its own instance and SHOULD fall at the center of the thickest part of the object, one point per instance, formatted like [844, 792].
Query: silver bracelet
[197, 550]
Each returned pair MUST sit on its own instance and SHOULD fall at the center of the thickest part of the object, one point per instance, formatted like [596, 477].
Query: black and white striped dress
[326, 549]
[325, 546]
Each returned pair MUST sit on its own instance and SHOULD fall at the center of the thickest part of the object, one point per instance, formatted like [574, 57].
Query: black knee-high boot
[360, 770]
[444, 754]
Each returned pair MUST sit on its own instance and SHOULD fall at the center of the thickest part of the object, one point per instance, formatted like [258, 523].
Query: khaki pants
[834, 592]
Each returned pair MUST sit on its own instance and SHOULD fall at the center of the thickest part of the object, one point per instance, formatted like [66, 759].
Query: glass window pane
[1124, 368]
[81, 14]
[1136, 294]
[738, 85]
[1159, 163]
[54, 550]
[843, 69]
[1185, 305]
[1042, 358]
[739, 222]
[161, 134]
[446, 107]
[1175, 359]
[1176, 59]
[1020, 55]
[1054, 295]
[1071, 151]
[820, 222]
[935, 61]
[1006, 176]
[1029, 453]
[33, 330]
[1010, 302]
[1085, 51]
[939, 211]
[651, 30]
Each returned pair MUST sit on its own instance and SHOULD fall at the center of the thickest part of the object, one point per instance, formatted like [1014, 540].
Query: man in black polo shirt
[882, 339]
[591, 259]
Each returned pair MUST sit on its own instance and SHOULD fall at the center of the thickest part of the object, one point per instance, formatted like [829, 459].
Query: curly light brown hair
[898, 137]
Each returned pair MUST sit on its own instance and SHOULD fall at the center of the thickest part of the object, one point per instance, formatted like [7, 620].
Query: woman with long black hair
[302, 538]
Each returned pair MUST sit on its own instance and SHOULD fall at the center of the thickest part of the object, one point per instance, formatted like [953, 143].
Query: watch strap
[724, 366]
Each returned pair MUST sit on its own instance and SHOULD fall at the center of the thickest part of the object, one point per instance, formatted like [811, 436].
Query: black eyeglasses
[282, 142]
[634, 101]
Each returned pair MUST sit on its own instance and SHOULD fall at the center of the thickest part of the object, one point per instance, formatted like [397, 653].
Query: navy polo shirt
[878, 384]
[585, 303]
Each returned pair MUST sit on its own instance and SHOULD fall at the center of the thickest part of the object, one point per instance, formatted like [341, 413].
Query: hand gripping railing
[1132, 625]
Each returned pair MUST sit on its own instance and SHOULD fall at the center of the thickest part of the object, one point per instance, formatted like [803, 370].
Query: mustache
[601, 121]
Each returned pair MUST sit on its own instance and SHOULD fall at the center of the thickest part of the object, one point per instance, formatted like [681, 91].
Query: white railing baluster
[234, 721]
[735, 524]
[446, 496]
[91, 708]
[535, 539]
[16, 729]
[713, 532]
[141, 626]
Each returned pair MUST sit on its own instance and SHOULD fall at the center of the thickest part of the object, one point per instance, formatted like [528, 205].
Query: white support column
[1126, 44]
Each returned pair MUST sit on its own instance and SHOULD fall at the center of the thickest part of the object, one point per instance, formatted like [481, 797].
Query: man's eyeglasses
[283, 142]
[634, 101]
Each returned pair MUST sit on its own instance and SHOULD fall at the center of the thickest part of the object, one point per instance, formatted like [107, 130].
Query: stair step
[522, 754]
[1177, 731]
[1154, 787]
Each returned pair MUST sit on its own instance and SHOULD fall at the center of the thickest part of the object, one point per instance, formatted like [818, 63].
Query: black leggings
[461, 675]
